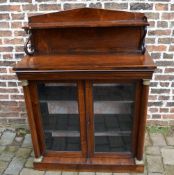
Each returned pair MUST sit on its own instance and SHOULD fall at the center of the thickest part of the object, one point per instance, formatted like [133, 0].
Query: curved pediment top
[87, 17]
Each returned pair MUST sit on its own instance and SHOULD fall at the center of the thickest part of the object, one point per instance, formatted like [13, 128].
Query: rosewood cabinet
[85, 79]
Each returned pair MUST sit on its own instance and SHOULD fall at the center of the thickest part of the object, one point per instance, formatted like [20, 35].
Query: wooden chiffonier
[85, 79]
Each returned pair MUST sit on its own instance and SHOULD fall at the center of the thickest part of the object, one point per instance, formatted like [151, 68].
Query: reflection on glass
[113, 116]
[60, 116]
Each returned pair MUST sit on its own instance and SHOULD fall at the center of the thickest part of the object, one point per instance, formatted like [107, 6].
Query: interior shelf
[77, 133]
[100, 107]
[62, 143]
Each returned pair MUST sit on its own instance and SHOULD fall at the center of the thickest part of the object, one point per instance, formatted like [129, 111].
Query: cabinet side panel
[31, 119]
[136, 117]
[142, 121]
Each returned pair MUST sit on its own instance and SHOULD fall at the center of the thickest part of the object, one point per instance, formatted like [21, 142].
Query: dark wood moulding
[120, 23]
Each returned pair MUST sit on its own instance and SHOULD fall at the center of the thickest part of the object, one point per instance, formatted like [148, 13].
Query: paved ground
[16, 155]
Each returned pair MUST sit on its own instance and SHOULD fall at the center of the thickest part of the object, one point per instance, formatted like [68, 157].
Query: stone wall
[159, 41]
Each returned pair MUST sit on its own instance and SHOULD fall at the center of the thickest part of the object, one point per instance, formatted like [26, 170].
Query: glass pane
[113, 116]
[60, 116]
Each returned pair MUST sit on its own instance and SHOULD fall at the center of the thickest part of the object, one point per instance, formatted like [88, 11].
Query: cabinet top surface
[87, 17]
[85, 62]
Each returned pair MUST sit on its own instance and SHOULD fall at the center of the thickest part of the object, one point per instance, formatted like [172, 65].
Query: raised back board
[87, 30]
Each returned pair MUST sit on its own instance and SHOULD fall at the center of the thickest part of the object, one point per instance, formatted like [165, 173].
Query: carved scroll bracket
[143, 49]
[28, 47]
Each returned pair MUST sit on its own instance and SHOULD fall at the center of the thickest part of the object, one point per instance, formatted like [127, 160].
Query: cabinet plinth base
[94, 165]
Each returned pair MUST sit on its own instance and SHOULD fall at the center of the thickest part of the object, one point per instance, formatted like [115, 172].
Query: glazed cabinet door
[112, 115]
[85, 119]
[62, 117]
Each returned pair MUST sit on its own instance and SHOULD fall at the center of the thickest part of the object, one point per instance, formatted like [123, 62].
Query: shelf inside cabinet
[62, 143]
[57, 133]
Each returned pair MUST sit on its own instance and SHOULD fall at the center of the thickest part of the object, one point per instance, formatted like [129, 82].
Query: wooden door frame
[85, 106]
[90, 119]
[39, 139]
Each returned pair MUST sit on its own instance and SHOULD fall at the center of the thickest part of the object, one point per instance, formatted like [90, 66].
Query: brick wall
[160, 44]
